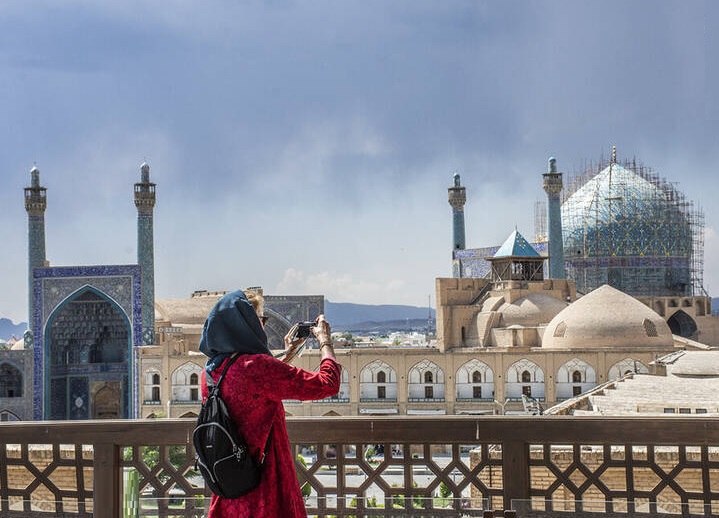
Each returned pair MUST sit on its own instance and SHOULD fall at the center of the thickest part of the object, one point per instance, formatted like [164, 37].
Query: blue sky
[307, 146]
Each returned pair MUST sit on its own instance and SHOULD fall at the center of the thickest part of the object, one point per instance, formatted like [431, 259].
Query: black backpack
[222, 455]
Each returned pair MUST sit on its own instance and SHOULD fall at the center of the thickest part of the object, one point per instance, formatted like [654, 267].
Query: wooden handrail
[515, 435]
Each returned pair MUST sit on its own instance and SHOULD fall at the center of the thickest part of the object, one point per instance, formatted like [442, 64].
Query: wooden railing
[382, 466]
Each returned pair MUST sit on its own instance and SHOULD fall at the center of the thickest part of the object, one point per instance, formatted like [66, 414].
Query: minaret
[457, 199]
[553, 187]
[145, 203]
[35, 205]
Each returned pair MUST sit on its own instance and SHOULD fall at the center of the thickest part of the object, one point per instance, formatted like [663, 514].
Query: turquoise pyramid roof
[516, 246]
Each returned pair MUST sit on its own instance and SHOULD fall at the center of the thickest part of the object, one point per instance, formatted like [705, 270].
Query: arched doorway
[682, 324]
[87, 358]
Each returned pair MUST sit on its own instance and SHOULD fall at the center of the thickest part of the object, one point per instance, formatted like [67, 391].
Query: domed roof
[531, 310]
[624, 214]
[697, 364]
[607, 317]
[185, 311]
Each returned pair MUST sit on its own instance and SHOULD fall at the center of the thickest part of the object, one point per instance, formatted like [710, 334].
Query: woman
[253, 390]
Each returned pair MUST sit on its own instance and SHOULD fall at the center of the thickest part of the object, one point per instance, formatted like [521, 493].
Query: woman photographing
[253, 390]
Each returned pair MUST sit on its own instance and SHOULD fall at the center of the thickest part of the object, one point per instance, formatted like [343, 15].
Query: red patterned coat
[253, 390]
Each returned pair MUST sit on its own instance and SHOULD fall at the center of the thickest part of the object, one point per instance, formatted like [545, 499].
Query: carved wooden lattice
[641, 479]
[46, 479]
[167, 485]
[362, 479]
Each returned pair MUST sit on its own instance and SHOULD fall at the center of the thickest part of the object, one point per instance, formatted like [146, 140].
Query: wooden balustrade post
[106, 481]
[515, 472]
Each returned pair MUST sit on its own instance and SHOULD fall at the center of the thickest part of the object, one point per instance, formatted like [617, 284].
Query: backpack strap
[215, 387]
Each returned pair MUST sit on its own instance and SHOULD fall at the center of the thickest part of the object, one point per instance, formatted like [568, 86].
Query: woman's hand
[292, 344]
[322, 330]
[323, 333]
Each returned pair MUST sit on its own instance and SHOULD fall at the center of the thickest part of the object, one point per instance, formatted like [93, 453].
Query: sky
[307, 146]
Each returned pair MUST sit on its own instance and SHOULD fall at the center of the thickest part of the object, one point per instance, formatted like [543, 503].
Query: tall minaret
[553, 187]
[457, 199]
[35, 205]
[145, 203]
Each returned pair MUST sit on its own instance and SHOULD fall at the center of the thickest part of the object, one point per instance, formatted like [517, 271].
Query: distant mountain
[343, 315]
[8, 329]
[409, 325]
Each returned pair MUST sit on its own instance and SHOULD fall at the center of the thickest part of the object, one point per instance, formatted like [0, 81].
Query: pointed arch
[474, 381]
[680, 323]
[185, 382]
[524, 377]
[425, 381]
[8, 415]
[575, 377]
[11, 380]
[152, 386]
[378, 381]
[627, 366]
[86, 327]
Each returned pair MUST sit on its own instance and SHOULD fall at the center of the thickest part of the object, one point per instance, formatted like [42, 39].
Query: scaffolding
[626, 226]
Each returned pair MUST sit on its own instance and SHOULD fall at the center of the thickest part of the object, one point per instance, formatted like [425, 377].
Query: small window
[527, 390]
[428, 378]
[685, 410]
[429, 392]
[526, 377]
[381, 377]
[476, 377]
[669, 411]
[576, 377]
[477, 392]
[155, 379]
[576, 390]
[194, 394]
[193, 379]
[381, 393]
[650, 328]
[156, 393]
[4, 416]
[701, 411]
[560, 330]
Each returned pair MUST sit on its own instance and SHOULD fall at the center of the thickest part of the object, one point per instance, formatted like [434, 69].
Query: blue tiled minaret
[35, 205]
[145, 203]
[457, 199]
[553, 187]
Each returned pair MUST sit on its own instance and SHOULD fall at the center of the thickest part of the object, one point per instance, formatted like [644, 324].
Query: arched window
[10, 381]
[184, 382]
[526, 377]
[476, 377]
[576, 377]
[378, 380]
[156, 379]
[428, 377]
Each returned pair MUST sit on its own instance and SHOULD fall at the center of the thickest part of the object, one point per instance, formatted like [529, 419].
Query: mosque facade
[508, 334]
[619, 224]
[91, 350]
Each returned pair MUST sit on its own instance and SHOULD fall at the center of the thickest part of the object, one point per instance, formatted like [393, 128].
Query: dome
[607, 317]
[628, 229]
[185, 311]
[697, 364]
[531, 310]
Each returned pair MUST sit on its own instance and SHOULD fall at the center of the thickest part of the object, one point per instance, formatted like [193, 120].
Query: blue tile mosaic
[53, 287]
